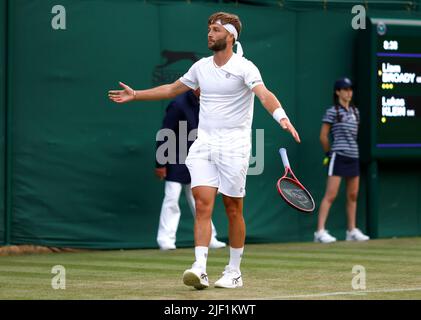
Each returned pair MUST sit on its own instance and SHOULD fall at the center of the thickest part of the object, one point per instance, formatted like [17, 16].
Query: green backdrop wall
[82, 168]
[2, 118]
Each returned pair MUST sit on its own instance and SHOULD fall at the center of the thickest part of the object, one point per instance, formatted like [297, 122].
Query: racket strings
[295, 194]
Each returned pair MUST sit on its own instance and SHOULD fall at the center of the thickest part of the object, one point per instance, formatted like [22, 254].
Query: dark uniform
[184, 107]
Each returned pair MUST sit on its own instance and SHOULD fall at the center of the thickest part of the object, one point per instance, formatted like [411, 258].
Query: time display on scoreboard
[398, 89]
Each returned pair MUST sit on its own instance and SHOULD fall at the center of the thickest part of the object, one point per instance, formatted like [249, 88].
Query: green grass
[270, 271]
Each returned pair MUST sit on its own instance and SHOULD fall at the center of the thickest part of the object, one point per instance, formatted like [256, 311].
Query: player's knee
[203, 207]
[234, 213]
[352, 196]
[330, 197]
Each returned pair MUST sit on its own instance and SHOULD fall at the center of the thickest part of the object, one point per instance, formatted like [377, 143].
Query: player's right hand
[122, 96]
[161, 173]
[286, 125]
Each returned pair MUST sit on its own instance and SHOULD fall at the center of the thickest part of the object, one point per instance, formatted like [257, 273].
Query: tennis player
[218, 159]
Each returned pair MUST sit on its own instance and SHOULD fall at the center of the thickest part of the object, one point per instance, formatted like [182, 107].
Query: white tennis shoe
[196, 277]
[231, 278]
[356, 235]
[167, 246]
[323, 236]
[216, 244]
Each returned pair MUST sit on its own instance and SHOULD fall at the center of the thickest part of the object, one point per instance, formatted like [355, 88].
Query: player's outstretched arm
[167, 91]
[271, 104]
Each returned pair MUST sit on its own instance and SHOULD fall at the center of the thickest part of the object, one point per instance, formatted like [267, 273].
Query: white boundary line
[343, 293]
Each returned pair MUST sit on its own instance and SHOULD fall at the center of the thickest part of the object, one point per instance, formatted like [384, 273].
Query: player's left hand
[286, 125]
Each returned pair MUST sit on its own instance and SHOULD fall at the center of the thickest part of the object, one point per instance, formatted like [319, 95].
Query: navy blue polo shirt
[344, 133]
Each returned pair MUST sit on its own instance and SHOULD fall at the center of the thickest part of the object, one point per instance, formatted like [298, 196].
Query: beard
[218, 45]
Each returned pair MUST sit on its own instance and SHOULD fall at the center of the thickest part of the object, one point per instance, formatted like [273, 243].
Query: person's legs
[190, 201]
[236, 224]
[204, 198]
[332, 187]
[204, 182]
[232, 166]
[352, 186]
[237, 233]
[170, 216]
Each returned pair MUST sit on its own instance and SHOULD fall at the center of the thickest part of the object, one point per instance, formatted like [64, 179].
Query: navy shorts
[343, 166]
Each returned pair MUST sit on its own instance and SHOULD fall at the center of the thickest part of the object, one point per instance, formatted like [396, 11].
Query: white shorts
[224, 168]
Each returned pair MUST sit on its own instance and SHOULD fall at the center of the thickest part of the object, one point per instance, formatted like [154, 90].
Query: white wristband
[279, 114]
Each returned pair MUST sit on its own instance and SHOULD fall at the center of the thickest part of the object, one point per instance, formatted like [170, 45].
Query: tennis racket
[291, 190]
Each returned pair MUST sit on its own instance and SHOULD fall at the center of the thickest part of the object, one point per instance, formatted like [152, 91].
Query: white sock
[201, 254]
[235, 258]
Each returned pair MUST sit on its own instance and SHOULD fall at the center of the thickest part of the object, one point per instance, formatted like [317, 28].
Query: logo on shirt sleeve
[251, 84]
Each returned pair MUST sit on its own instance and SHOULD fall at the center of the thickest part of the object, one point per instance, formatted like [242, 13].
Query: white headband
[231, 29]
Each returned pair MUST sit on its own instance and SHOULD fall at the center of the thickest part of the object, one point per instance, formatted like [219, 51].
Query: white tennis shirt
[226, 96]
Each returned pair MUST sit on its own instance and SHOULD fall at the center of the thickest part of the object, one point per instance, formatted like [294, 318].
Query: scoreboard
[398, 104]
[390, 85]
